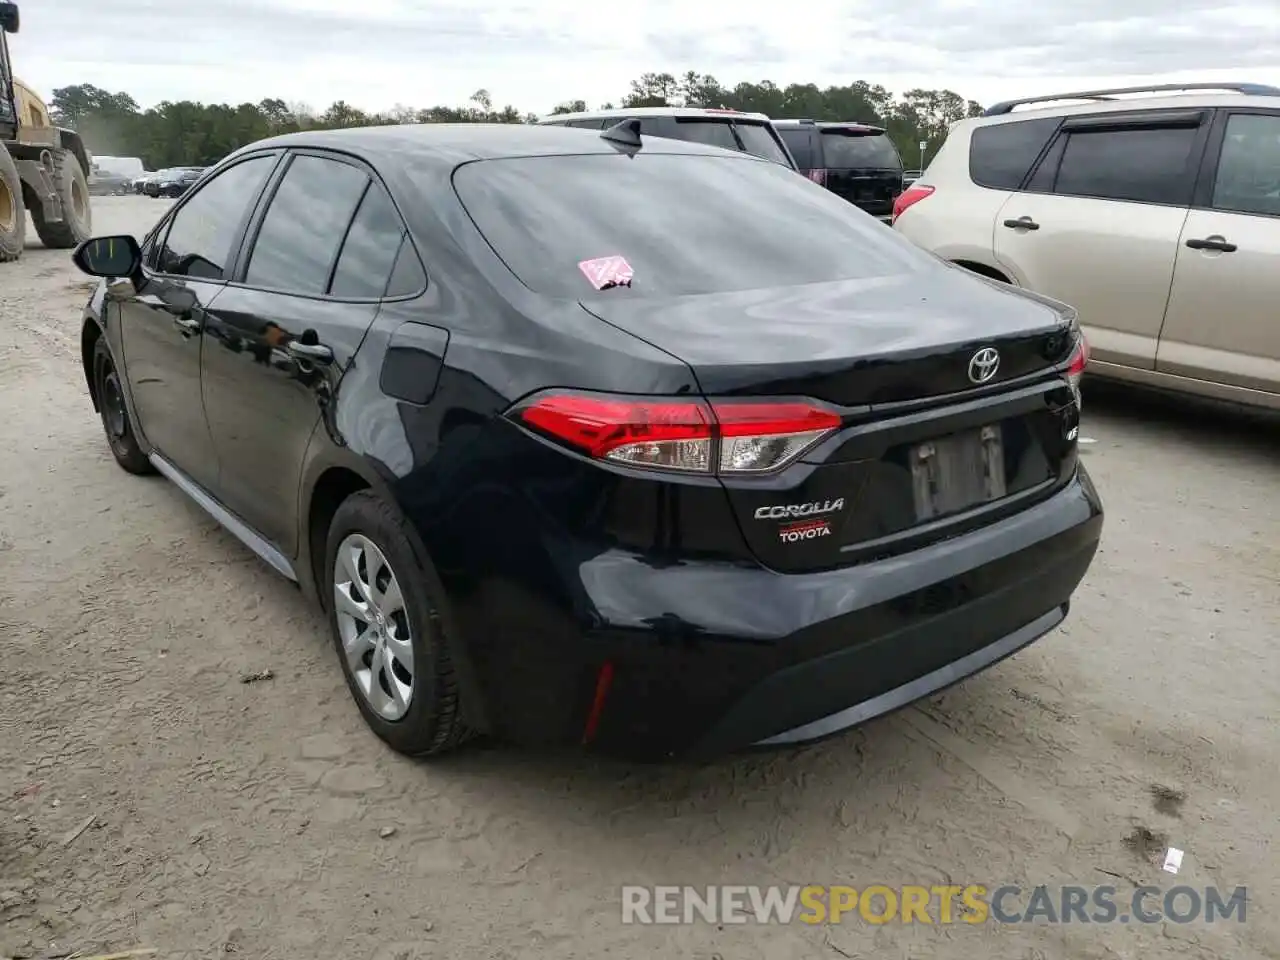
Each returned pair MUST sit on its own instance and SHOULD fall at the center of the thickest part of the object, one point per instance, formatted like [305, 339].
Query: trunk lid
[923, 451]
[850, 343]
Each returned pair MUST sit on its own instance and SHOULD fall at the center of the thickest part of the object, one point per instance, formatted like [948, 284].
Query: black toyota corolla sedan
[582, 437]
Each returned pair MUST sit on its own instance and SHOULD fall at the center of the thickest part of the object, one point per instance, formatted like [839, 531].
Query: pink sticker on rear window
[606, 272]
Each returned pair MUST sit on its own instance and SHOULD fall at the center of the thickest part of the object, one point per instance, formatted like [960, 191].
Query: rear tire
[378, 559]
[116, 423]
[13, 216]
[77, 215]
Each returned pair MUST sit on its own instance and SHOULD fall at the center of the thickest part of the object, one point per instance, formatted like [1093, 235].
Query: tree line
[182, 133]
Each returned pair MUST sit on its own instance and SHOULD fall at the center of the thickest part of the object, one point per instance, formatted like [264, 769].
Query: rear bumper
[709, 658]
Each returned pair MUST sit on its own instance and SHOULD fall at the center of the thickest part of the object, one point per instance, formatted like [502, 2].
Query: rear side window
[369, 251]
[798, 143]
[304, 225]
[199, 241]
[842, 150]
[1001, 155]
[685, 224]
[1147, 165]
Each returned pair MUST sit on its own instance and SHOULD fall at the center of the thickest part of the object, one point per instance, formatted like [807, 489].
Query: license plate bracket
[957, 472]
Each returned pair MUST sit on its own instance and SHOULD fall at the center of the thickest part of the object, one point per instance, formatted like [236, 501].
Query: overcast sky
[535, 53]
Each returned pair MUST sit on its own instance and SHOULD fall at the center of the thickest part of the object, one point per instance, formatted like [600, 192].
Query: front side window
[200, 237]
[1142, 164]
[305, 224]
[685, 224]
[1248, 179]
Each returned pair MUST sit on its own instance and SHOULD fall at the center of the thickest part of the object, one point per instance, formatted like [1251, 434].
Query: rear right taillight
[909, 198]
[1076, 363]
[818, 176]
[725, 437]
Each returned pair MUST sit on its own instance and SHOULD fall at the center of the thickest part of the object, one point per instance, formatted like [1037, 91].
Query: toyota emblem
[984, 364]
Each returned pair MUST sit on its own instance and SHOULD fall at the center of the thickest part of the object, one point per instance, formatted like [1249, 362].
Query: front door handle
[186, 322]
[311, 352]
[1213, 243]
[1022, 223]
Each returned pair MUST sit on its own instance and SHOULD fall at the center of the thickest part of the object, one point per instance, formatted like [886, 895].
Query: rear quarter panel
[958, 221]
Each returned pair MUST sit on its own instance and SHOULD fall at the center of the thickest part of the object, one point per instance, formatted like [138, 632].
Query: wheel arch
[90, 334]
[325, 494]
[983, 269]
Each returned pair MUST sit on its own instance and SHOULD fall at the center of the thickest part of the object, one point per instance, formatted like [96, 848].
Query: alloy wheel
[374, 626]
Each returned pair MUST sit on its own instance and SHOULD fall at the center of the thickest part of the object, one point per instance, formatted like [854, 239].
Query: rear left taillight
[818, 176]
[1076, 363]
[726, 437]
[909, 198]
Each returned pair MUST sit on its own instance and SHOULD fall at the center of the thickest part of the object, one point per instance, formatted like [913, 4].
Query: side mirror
[108, 256]
[9, 17]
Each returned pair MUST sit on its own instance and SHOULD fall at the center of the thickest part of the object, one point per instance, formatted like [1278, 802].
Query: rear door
[1223, 322]
[863, 167]
[307, 289]
[1098, 224]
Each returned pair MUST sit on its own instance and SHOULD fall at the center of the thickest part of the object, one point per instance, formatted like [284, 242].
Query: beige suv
[1156, 216]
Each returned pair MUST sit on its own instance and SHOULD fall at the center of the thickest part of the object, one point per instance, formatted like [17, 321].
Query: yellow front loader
[43, 168]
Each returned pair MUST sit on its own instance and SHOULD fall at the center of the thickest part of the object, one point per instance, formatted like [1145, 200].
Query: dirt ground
[262, 819]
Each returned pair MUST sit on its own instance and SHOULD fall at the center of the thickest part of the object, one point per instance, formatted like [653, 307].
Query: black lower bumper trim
[923, 686]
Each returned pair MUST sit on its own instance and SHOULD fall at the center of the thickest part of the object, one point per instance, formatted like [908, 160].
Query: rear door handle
[1022, 223]
[186, 323]
[1213, 243]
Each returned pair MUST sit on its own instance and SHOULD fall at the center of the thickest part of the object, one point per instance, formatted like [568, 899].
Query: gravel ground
[261, 819]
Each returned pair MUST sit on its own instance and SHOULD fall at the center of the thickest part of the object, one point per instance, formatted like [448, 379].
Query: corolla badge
[793, 511]
[984, 364]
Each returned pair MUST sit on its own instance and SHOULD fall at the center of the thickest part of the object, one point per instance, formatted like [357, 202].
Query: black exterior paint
[554, 564]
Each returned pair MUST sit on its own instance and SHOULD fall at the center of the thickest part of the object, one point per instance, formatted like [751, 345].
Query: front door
[1097, 226]
[1223, 322]
[282, 335]
[160, 326]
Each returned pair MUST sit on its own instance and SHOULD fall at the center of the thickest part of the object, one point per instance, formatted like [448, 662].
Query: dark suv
[857, 161]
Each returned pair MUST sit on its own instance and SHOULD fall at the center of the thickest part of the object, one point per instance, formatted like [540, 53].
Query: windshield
[865, 150]
[680, 224]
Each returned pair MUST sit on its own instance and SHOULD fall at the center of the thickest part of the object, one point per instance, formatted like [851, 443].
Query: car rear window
[759, 141]
[843, 150]
[1001, 154]
[684, 224]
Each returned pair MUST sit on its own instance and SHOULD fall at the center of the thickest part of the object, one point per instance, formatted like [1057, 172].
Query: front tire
[13, 216]
[116, 423]
[76, 225]
[390, 630]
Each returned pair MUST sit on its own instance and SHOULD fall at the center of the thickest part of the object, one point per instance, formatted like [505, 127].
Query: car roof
[793, 123]
[1168, 101]
[713, 112]
[455, 143]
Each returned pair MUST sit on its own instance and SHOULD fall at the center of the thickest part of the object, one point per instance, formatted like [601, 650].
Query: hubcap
[374, 626]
